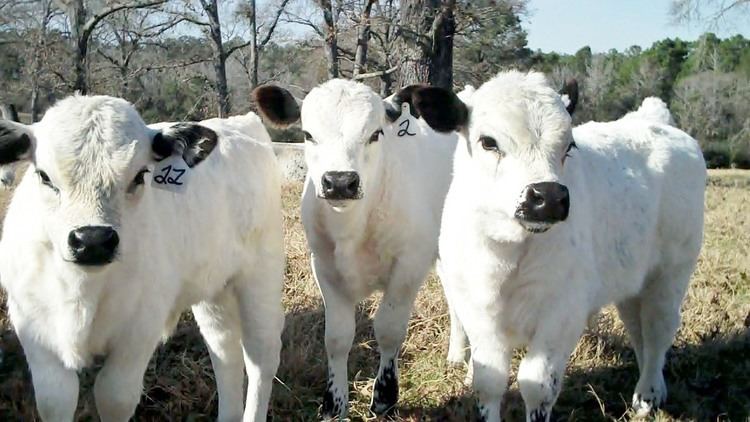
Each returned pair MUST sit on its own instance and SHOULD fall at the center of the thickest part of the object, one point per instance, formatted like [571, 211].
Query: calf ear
[393, 103]
[440, 108]
[16, 142]
[569, 94]
[193, 141]
[276, 105]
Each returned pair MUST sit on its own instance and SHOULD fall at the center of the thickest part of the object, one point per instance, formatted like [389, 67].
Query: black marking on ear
[15, 142]
[440, 108]
[276, 105]
[193, 141]
[393, 111]
[570, 88]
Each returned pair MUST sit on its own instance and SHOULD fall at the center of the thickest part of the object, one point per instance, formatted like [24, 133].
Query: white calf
[371, 210]
[520, 271]
[97, 260]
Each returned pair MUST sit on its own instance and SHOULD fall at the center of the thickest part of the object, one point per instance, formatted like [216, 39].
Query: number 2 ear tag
[171, 174]
[405, 122]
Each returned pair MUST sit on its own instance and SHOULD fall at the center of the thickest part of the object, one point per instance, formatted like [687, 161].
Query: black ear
[440, 108]
[276, 105]
[16, 142]
[405, 95]
[193, 141]
[570, 89]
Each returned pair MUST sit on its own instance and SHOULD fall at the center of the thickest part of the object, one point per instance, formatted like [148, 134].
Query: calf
[544, 225]
[104, 245]
[371, 211]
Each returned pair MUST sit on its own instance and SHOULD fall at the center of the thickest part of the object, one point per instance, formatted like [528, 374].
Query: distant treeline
[705, 82]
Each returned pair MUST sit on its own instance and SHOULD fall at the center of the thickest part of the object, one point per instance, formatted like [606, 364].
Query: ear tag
[405, 122]
[171, 174]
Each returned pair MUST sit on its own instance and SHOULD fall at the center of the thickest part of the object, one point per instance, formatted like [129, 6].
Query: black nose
[546, 202]
[340, 185]
[93, 245]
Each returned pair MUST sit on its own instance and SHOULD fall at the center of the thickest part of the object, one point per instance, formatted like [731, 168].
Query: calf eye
[375, 136]
[138, 180]
[571, 145]
[308, 137]
[490, 144]
[139, 177]
[44, 178]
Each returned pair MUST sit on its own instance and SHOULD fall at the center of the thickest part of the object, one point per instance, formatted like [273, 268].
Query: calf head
[91, 157]
[345, 124]
[517, 137]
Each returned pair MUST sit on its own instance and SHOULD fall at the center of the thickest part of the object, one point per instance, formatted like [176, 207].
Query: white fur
[632, 238]
[217, 247]
[652, 109]
[387, 240]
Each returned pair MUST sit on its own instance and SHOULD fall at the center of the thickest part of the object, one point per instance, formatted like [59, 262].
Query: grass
[707, 371]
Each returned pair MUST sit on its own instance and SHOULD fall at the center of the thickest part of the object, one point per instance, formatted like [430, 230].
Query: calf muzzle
[545, 202]
[340, 185]
[93, 245]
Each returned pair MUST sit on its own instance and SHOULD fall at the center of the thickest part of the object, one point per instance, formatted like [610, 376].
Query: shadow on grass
[709, 381]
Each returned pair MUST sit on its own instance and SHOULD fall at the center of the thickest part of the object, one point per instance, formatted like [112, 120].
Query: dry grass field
[707, 372]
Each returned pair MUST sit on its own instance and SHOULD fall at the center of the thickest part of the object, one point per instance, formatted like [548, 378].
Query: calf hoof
[538, 415]
[334, 405]
[385, 392]
[649, 399]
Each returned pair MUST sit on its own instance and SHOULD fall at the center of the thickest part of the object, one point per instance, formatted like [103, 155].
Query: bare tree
[46, 15]
[363, 38]
[83, 20]
[710, 12]
[128, 31]
[258, 39]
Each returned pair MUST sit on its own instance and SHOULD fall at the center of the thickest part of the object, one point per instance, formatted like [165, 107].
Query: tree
[712, 13]
[83, 20]
[489, 37]
[426, 31]
[256, 47]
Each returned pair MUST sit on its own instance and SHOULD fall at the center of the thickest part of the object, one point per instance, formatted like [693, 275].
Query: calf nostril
[536, 197]
[353, 185]
[74, 241]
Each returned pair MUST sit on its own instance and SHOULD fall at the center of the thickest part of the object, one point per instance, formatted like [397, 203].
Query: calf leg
[458, 349]
[630, 314]
[262, 321]
[660, 319]
[339, 335]
[390, 325]
[490, 359]
[219, 323]
[541, 372]
[119, 384]
[55, 386]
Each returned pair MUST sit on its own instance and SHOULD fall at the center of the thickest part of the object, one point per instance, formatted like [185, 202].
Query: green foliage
[706, 84]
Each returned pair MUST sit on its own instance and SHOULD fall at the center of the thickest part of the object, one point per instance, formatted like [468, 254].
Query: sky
[565, 26]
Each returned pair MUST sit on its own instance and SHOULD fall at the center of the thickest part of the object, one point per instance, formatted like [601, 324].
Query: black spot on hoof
[333, 404]
[385, 391]
[538, 415]
[482, 413]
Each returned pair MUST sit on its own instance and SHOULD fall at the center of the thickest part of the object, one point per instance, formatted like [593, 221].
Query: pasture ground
[707, 371]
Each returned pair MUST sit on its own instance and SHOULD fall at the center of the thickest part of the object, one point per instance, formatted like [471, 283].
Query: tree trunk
[219, 57]
[36, 69]
[363, 38]
[80, 47]
[426, 53]
[253, 48]
[331, 48]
